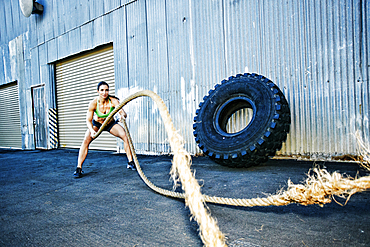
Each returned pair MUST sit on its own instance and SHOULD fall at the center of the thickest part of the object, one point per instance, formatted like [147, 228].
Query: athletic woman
[102, 106]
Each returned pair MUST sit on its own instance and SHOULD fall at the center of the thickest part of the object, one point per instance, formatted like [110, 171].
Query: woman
[102, 106]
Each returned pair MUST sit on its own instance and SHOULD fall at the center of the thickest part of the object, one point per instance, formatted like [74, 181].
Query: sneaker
[78, 173]
[131, 165]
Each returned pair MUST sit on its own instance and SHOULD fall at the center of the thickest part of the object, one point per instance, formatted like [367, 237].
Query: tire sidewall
[257, 91]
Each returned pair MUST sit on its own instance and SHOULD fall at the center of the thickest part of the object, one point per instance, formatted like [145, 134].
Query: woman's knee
[86, 143]
[87, 140]
[124, 138]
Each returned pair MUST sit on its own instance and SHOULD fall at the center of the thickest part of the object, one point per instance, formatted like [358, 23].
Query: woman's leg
[118, 131]
[84, 149]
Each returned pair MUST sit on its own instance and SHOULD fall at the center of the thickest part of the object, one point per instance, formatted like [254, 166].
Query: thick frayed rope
[364, 152]
[320, 187]
[209, 230]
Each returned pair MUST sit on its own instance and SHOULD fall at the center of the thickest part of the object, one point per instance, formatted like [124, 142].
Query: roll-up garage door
[76, 82]
[10, 122]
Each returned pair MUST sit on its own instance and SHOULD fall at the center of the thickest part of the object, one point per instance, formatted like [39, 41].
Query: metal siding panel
[209, 52]
[42, 54]
[321, 143]
[52, 50]
[33, 30]
[59, 24]
[158, 72]
[106, 32]
[13, 60]
[361, 18]
[180, 23]
[96, 8]
[110, 5]
[311, 69]
[98, 32]
[69, 14]
[87, 34]
[84, 11]
[6, 68]
[35, 75]
[15, 17]
[304, 98]
[310, 51]
[120, 51]
[9, 27]
[78, 76]
[47, 20]
[366, 70]
[121, 65]
[39, 28]
[2, 64]
[12, 20]
[336, 77]
[63, 44]
[3, 19]
[10, 124]
[349, 71]
[74, 41]
[346, 48]
[138, 72]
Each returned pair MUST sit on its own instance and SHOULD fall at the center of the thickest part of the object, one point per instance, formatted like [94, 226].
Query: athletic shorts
[107, 128]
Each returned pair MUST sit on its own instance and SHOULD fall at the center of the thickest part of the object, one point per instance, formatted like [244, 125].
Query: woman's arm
[89, 117]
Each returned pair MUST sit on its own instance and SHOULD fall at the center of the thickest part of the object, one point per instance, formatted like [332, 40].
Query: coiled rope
[320, 187]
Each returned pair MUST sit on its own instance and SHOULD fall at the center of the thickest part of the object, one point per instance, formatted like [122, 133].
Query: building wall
[317, 52]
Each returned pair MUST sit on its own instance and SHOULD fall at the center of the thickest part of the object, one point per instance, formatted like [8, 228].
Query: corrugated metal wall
[316, 51]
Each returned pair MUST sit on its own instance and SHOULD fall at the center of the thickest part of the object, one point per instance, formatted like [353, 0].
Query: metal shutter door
[76, 81]
[10, 122]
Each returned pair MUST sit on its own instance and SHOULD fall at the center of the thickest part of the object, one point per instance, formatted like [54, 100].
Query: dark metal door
[39, 120]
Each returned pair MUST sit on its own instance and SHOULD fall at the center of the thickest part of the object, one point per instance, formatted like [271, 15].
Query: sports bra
[101, 115]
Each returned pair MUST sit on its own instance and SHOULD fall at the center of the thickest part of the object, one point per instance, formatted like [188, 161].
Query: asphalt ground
[43, 205]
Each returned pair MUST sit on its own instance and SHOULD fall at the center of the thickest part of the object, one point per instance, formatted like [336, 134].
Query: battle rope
[209, 231]
[364, 151]
[320, 186]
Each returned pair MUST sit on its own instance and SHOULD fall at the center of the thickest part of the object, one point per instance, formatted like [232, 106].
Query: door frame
[44, 144]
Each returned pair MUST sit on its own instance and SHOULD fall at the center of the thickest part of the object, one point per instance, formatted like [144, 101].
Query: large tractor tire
[261, 137]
